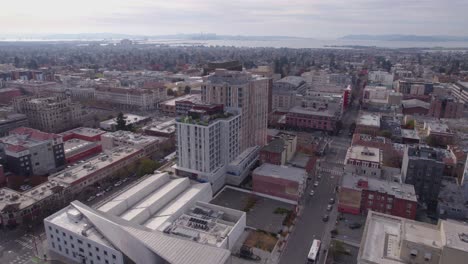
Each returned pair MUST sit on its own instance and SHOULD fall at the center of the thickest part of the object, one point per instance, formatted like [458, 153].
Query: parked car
[108, 189]
[125, 179]
[325, 218]
[312, 193]
[91, 198]
[118, 183]
[316, 183]
[355, 225]
[101, 193]
[332, 201]
[329, 207]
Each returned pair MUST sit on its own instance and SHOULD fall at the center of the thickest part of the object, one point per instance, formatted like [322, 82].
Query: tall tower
[248, 93]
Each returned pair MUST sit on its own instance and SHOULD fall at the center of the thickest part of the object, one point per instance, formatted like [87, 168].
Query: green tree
[410, 124]
[170, 92]
[147, 166]
[187, 89]
[337, 248]
[121, 122]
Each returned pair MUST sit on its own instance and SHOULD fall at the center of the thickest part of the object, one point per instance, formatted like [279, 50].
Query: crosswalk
[331, 171]
[25, 242]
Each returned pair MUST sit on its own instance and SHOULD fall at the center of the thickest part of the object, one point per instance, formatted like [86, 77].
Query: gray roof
[143, 245]
[415, 103]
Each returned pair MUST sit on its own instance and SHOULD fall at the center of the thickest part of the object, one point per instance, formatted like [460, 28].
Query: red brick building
[280, 181]
[446, 107]
[279, 150]
[84, 133]
[7, 95]
[415, 107]
[303, 118]
[359, 194]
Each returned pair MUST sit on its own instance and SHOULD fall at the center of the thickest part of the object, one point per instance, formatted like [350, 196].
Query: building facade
[32, 152]
[247, 92]
[50, 114]
[423, 167]
[132, 98]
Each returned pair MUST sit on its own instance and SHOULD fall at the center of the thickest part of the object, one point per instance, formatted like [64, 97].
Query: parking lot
[346, 233]
[262, 213]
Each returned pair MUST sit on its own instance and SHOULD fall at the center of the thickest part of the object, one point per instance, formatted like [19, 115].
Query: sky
[302, 18]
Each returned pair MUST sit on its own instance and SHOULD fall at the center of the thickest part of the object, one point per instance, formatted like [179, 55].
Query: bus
[314, 251]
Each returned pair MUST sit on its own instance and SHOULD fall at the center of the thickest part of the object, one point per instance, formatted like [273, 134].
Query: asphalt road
[310, 225]
[17, 247]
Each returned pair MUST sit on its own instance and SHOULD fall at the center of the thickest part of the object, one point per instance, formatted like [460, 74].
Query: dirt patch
[262, 240]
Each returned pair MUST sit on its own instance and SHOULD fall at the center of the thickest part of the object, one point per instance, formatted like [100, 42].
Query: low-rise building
[307, 118]
[161, 128]
[97, 169]
[159, 216]
[415, 107]
[180, 105]
[11, 121]
[439, 133]
[78, 149]
[84, 133]
[368, 123]
[32, 152]
[132, 98]
[130, 119]
[280, 181]
[149, 144]
[395, 240]
[381, 78]
[280, 150]
[8, 94]
[360, 194]
[364, 161]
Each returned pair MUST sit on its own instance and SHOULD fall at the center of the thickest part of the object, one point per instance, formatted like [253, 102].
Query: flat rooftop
[437, 127]
[84, 131]
[310, 111]
[399, 190]
[134, 138]
[13, 200]
[384, 234]
[364, 153]
[80, 171]
[76, 145]
[130, 118]
[165, 127]
[282, 172]
[410, 133]
[368, 119]
[194, 98]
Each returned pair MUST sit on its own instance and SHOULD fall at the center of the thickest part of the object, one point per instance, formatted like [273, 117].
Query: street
[310, 225]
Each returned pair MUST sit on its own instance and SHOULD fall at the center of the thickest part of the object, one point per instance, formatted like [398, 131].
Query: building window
[105, 253]
[81, 250]
[79, 241]
[53, 245]
[97, 249]
[114, 257]
[371, 196]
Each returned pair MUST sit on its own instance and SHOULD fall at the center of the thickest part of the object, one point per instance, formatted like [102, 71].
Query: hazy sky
[308, 18]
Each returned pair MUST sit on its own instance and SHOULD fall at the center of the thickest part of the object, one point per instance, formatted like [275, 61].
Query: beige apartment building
[247, 92]
[50, 114]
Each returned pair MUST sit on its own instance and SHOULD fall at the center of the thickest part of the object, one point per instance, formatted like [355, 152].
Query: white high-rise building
[206, 144]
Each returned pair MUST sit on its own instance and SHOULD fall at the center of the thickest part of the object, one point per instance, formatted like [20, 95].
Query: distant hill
[114, 36]
[435, 38]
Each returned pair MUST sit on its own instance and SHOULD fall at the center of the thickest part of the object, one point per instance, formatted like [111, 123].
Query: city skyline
[315, 19]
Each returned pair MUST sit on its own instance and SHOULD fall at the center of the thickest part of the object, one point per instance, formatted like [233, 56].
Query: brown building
[446, 107]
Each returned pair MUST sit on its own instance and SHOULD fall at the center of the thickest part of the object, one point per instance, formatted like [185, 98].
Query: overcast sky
[305, 18]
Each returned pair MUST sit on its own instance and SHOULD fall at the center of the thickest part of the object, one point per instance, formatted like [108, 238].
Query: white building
[132, 98]
[205, 146]
[159, 220]
[390, 239]
[363, 161]
[381, 78]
